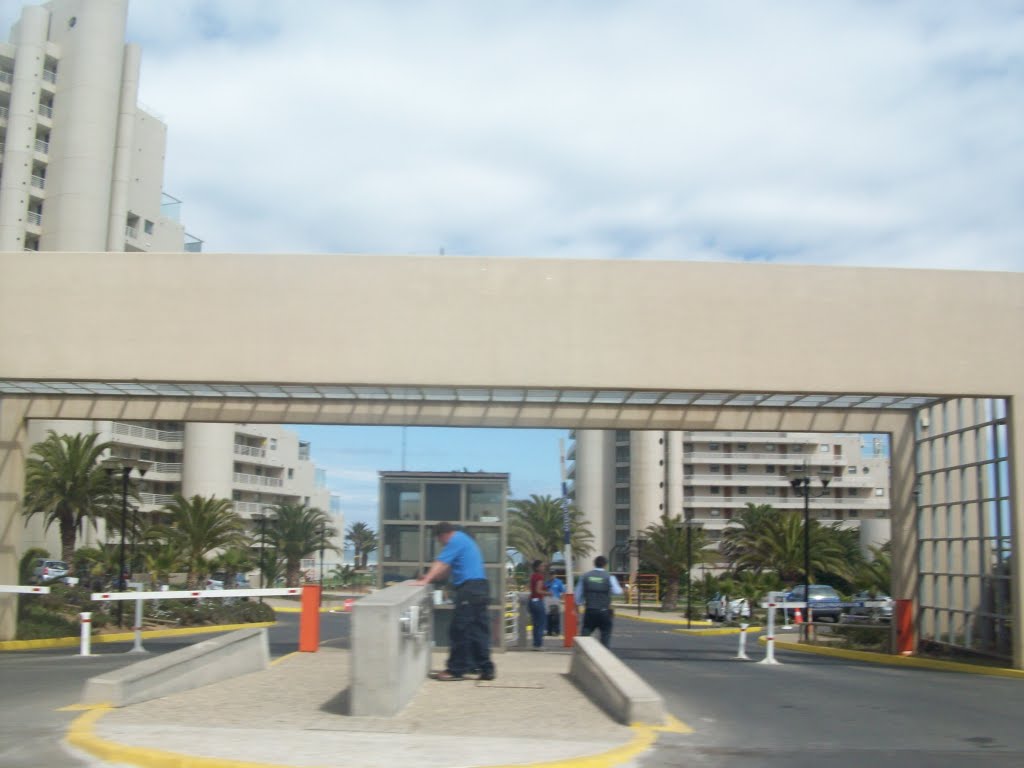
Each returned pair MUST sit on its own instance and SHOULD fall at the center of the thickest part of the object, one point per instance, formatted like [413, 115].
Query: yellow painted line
[893, 660]
[279, 659]
[659, 620]
[82, 735]
[121, 637]
[717, 632]
[289, 609]
[82, 707]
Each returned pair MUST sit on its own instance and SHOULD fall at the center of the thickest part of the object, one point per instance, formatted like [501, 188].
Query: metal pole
[263, 562]
[689, 574]
[125, 471]
[807, 556]
[323, 537]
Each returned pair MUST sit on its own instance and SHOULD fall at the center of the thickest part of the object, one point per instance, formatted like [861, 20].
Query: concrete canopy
[451, 341]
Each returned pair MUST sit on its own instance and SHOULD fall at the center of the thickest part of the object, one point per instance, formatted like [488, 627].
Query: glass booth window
[484, 504]
[489, 541]
[402, 542]
[402, 501]
[443, 502]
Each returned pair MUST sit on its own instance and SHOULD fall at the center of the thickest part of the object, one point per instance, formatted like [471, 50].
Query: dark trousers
[600, 620]
[554, 620]
[470, 632]
[538, 617]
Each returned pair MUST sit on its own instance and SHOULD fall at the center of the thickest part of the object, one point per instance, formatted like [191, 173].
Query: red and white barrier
[24, 590]
[742, 655]
[86, 633]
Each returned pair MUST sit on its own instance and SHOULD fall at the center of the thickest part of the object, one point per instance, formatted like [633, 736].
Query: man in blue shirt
[470, 630]
[556, 588]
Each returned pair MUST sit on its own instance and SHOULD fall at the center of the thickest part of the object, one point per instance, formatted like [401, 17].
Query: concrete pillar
[903, 510]
[1015, 461]
[13, 449]
[122, 173]
[209, 466]
[595, 485]
[674, 473]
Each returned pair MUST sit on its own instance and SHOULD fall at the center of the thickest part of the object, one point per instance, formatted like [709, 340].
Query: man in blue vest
[595, 590]
[470, 629]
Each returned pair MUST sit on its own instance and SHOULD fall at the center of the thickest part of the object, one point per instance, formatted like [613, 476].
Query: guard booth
[412, 503]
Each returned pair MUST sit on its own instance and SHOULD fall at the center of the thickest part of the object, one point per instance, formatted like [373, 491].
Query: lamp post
[323, 543]
[636, 543]
[262, 517]
[689, 524]
[125, 467]
[800, 479]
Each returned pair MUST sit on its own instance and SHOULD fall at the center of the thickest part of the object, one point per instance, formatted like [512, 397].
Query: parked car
[214, 584]
[720, 608]
[46, 571]
[874, 607]
[825, 601]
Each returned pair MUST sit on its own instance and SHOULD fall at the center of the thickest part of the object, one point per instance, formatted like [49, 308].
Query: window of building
[853, 513]
[852, 470]
[715, 468]
[741, 446]
[851, 491]
[742, 468]
[622, 518]
[715, 513]
[770, 447]
[622, 495]
[742, 491]
[823, 449]
[712, 446]
[291, 473]
[145, 454]
[715, 489]
[769, 469]
[879, 491]
[771, 491]
[147, 226]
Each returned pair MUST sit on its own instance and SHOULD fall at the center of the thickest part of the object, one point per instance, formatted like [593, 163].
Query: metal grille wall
[964, 526]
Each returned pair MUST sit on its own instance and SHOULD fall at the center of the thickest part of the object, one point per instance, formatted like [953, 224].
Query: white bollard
[743, 643]
[137, 648]
[86, 619]
[769, 657]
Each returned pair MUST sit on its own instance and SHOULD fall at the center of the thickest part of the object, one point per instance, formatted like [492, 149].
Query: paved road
[818, 711]
[41, 682]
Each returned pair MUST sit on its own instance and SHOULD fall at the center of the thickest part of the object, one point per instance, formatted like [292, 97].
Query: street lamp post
[800, 479]
[637, 542]
[689, 523]
[262, 517]
[125, 467]
[323, 543]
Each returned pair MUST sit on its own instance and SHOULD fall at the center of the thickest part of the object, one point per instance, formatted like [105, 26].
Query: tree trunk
[671, 601]
[67, 542]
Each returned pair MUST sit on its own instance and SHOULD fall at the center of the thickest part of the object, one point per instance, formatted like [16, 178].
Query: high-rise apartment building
[624, 480]
[82, 169]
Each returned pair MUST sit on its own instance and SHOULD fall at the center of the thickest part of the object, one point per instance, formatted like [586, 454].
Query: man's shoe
[445, 675]
[487, 675]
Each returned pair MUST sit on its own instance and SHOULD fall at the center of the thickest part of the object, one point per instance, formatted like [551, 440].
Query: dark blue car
[825, 601]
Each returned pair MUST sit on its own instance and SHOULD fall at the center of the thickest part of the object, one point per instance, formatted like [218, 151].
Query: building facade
[624, 480]
[82, 169]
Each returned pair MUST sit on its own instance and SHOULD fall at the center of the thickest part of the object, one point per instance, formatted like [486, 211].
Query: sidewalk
[293, 714]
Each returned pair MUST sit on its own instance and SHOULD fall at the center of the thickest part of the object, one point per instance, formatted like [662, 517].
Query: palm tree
[364, 541]
[65, 483]
[161, 560]
[665, 551]
[199, 526]
[535, 528]
[742, 542]
[875, 576]
[233, 561]
[298, 531]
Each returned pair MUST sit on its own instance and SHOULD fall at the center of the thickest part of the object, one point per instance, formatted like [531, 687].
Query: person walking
[538, 611]
[470, 634]
[594, 591]
[556, 588]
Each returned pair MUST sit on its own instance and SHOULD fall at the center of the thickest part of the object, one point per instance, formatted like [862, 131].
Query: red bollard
[569, 622]
[905, 640]
[309, 621]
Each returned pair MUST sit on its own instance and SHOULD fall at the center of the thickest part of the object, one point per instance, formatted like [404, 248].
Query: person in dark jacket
[594, 591]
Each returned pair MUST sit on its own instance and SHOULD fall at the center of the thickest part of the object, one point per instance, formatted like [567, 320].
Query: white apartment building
[82, 169]
[624, 480]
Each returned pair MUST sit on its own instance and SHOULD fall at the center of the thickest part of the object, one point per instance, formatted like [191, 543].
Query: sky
[855, 132]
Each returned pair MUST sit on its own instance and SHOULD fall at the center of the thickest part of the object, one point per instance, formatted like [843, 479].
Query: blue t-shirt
[463, 556]
[556, 587]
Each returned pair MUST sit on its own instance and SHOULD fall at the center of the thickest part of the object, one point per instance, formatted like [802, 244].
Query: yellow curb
[717, 632]
[916, 662]
[82, 735]
[121, 637]
[657, 620]
[289, 609]
[279, 659]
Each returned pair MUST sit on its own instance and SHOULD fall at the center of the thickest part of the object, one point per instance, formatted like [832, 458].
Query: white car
[720, 608]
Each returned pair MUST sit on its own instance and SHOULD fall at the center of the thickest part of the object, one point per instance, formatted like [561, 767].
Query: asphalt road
[818, 711]
[37, 684]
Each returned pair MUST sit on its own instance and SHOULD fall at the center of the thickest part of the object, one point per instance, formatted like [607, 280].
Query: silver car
[46, 571]
[873, 607]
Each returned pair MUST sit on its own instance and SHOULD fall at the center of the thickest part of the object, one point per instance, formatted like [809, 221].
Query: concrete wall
[390, 660]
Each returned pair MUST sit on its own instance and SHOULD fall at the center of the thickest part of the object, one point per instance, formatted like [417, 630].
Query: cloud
[850, 132]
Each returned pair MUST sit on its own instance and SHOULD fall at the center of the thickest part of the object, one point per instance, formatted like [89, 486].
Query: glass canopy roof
[455, 394]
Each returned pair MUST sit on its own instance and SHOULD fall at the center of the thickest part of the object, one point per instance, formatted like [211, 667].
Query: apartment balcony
[42, 147]
[155, 500]
[132, 233]
[38, 182]
[250, 508]
[145, 433]
[766, 457]
[263, 480]
[6, 77]
[45, 110]
[3, 113]
[167, 471]
[750, 437]
[714, 478]
[787, 502]
[35, 218]
[250, 450]
[49, 76]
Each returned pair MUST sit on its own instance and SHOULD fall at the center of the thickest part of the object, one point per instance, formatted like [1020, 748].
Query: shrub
[38, 623]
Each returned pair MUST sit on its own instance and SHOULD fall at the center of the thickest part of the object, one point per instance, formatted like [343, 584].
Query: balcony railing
[812, 459]
[6, 77]
[146, 433]
[35, 218]
[250, 450]
[273, 482]
[155, 499]
[45, 110]
[166, 467]
[49, 76]
[789, 502]
[42, 146]
[131, 233]
[3, 112]
[39, 182]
